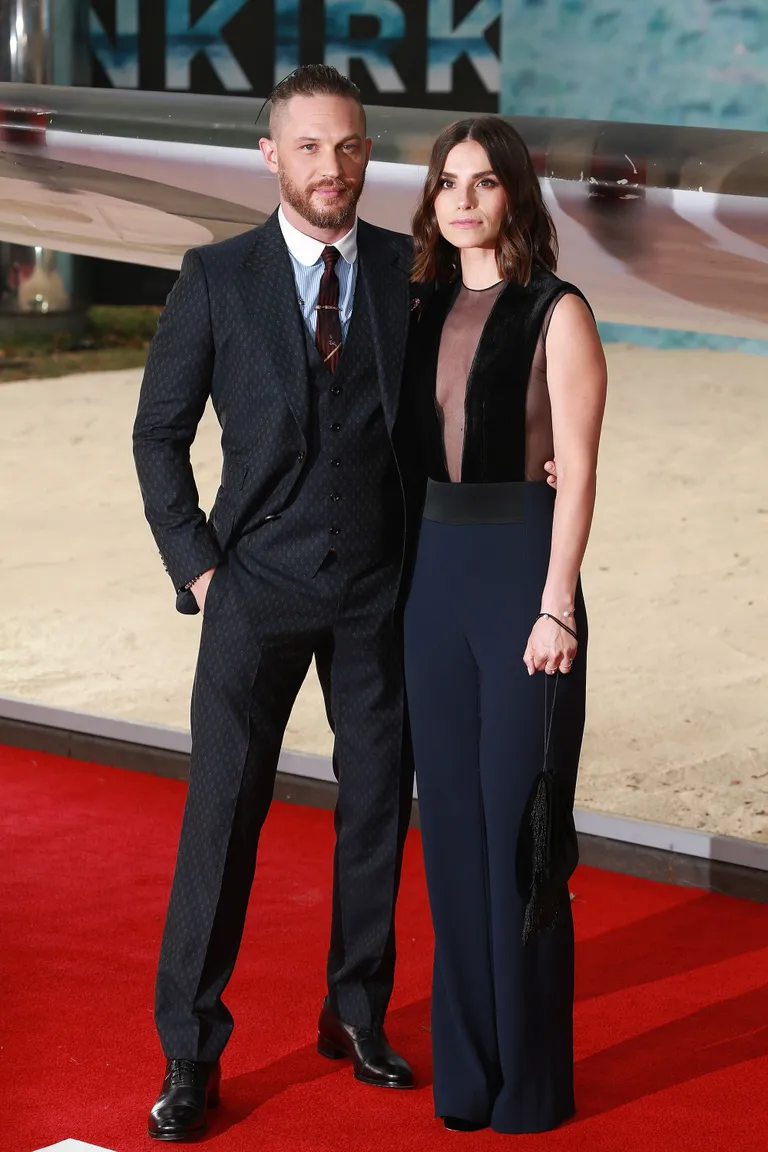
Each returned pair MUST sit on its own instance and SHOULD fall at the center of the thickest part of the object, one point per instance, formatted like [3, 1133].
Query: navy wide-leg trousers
[501, 1011]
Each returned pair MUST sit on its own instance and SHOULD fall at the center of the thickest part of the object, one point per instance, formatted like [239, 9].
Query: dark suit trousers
[260, 631]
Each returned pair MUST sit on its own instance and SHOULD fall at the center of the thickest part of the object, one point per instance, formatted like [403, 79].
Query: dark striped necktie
[328, 326]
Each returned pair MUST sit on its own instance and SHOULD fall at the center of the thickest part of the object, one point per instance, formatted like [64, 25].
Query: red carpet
[672, 991]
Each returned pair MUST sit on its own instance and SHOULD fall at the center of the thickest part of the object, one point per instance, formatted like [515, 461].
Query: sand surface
[675, 579]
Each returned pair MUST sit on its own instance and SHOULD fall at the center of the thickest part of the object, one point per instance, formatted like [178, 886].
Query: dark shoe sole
[455, 1124]
[178, 1137]
[383, 1083]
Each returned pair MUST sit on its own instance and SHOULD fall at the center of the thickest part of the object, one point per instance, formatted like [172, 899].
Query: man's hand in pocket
[199, 588]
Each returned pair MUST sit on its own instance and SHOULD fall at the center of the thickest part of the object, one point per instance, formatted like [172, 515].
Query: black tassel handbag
[547, 845]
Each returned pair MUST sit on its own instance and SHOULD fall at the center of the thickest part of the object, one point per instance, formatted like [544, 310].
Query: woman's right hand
[550, 648]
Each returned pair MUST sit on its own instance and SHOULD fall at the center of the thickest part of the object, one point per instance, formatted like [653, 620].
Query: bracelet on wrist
[564, 626]
[560, 613]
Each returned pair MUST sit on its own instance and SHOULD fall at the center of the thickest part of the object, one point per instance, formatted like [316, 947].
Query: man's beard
[335, 215]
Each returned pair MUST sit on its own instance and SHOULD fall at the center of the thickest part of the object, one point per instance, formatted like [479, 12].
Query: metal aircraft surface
[658, 225]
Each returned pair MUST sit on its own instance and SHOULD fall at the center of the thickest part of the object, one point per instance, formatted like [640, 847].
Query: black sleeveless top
[507, 434]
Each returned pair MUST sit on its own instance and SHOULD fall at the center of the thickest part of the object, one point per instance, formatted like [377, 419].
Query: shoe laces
[182, 1073]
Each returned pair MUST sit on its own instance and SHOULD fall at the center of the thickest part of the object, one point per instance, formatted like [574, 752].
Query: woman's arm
[577, 378]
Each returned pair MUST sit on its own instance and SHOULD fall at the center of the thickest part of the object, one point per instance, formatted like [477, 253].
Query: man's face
[319, 153]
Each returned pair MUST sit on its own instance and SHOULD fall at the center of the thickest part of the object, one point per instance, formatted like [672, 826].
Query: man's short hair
[312, 80]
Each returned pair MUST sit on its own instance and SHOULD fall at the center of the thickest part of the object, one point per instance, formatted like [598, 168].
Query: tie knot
[330, 257]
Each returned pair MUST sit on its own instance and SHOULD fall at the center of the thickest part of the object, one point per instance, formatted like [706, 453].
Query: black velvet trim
[494, 437]
[421, 378]
[494, 444]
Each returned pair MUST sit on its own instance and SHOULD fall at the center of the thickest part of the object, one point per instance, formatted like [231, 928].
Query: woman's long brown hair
[527, 233]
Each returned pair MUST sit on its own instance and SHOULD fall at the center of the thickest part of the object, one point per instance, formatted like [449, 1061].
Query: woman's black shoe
[189, 1089]
[374, 1061]
[456, 1124]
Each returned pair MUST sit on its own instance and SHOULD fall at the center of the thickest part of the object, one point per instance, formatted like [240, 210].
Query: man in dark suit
[297, 332]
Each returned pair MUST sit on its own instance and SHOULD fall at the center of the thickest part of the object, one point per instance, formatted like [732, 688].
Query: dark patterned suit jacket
[232, 330]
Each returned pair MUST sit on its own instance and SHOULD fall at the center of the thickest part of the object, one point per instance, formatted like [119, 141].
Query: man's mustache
[338, 185]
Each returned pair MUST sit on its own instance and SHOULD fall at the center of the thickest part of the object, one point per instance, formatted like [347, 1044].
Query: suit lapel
[384, 279]
[275, 322]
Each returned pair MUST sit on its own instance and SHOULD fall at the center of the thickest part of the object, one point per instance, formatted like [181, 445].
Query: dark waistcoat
[348, 498]
[495, 407]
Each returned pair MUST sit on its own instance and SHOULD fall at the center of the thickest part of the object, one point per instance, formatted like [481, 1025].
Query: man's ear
[269, 152]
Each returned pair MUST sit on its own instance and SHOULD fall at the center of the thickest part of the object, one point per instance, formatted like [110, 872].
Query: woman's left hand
[550, 648]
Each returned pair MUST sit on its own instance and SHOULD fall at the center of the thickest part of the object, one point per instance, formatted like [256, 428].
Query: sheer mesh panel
[461, 335]
[458, 345]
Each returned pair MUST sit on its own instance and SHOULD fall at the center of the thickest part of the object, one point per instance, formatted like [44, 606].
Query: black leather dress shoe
[456, 1124]
[374, 1061]
[190, 1088]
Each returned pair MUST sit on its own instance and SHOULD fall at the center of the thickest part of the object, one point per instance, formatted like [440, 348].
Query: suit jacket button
[300, 457]
[335, 531]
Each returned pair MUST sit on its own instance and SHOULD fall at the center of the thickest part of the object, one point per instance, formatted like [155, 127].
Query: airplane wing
[658, 225]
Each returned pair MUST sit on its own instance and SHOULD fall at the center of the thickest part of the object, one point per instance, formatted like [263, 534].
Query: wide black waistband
[475, 503]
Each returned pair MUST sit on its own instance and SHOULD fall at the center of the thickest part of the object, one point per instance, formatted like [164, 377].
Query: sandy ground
[675, 580]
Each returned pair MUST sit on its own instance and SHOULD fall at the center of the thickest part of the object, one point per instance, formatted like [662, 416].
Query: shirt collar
[307, 250]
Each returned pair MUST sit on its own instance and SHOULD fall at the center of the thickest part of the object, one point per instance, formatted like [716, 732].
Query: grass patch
[114, 338]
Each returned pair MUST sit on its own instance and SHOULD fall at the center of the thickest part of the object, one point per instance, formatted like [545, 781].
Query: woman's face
[471, 203]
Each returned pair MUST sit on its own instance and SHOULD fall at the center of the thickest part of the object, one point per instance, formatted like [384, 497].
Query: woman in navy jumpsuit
[505, 372]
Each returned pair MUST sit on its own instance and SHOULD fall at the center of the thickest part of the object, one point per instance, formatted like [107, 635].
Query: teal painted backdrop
[702, 62]
[695, 62]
